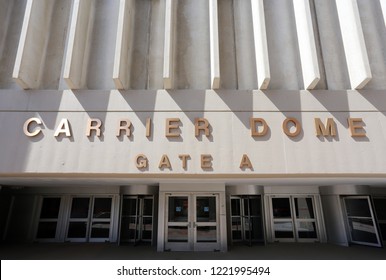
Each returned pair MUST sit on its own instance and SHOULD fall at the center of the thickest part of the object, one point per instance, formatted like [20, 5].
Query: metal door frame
[379, 244]
[294, 220]
[192, 224]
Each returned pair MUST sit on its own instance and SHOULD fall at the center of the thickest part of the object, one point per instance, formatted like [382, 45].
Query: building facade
[193, 124]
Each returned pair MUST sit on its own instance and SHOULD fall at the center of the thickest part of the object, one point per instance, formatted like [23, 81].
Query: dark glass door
[361, 221]
[294, 219]
[137, 219]
[48, 219]
[89, 219]
[247, 222]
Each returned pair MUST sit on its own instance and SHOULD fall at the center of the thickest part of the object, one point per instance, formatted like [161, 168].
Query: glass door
[283, 225]
[360, 220]
[294, 219]
[78, 224]
[48, 219]
[205, 224]
[305, 219]
[100, 221]
[192, 222]
[90, 219]
[178, 224]
[247, 223]
[137, 219]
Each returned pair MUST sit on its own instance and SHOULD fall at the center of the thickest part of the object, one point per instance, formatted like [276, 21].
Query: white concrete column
[123, 45]
[261, 49]
[169, 43]
[5, 16]
[383, 7]
[78, 48]
[307, 47]
[214, 45]
[354, 43]
[33, 43]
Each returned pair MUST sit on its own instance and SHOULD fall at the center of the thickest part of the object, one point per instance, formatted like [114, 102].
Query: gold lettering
[356, 126]
[172, 124]
[63, 127]
[245, 162]
[124, 125]
[164, 163]
[254, 129]
[326, 130]
[201, 124]
[26, 127]
[94, 124]
[206, 161]
[148, 127]
[184, 159]
[295, 123]
[141, 161]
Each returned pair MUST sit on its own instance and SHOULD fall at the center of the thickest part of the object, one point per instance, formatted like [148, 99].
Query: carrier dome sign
[258, 127]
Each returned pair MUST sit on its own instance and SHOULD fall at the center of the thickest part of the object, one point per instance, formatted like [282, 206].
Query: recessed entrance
[192, 222]
[294, 219]
[137, 219]
[247, 222]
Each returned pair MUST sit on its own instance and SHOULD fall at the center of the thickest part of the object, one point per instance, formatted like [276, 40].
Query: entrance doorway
[247, 222]
[294, 219]
[361, 221]
[89, 219]
[192, 222]
[137, 219]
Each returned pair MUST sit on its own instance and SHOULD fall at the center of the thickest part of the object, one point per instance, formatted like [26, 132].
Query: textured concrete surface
[106, 251]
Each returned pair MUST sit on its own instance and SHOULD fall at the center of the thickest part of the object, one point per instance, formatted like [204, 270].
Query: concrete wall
[98, 28]
[59, 60]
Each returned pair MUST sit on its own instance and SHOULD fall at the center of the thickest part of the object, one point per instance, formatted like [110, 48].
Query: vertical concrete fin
[354, 43]
[383, 7]
[261, 49]
[121, 72]
[214, 45]
[33, 41]
[307, 47]
[78, 48]
[170, 27]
